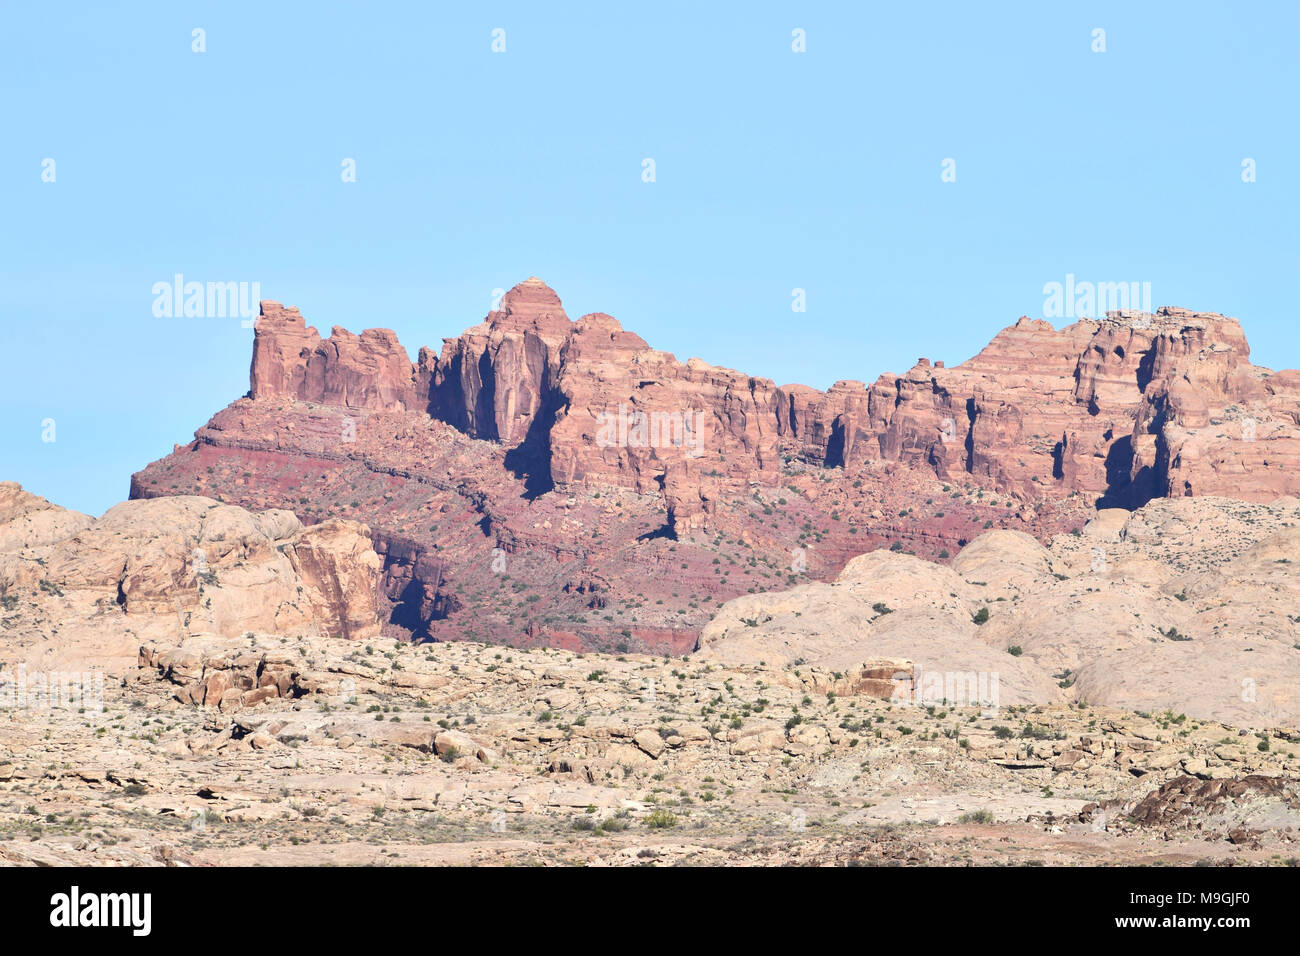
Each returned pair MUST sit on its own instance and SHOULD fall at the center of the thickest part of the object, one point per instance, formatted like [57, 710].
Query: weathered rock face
[1117, 409]
[637, 418]
[29, 521]
[1209, 421]
[177, 566]
[335, 560]
[412, 582]
[291, 360]
[493, 380]
[1122, 410]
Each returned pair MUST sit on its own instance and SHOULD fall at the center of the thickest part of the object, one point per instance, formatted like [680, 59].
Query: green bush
[660, 819]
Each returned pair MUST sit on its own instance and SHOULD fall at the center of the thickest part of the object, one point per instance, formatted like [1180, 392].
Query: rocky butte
[503, 510]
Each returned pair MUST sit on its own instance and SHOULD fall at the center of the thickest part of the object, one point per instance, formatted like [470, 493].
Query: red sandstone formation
[1109, 408]
[580, 452]
[290, 360]
[494, 379]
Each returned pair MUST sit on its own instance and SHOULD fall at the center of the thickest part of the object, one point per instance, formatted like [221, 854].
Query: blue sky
[774, 170]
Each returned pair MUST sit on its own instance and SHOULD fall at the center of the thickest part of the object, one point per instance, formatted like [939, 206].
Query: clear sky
[475, 169]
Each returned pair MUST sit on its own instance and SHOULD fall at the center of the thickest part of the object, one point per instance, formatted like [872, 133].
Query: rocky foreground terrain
[225, 695]
[629, 494]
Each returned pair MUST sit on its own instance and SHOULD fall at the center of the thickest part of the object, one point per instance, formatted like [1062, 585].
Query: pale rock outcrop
[29, 521]
[168, 568]
[1187, 606]
[882, 605]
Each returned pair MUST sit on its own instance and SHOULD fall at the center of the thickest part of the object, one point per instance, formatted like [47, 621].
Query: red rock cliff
[1119, 409]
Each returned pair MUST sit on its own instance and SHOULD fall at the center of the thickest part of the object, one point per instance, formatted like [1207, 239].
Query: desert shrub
[660, 819]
